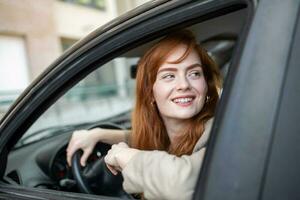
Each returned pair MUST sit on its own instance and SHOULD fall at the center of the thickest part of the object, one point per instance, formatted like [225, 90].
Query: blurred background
[33, 33]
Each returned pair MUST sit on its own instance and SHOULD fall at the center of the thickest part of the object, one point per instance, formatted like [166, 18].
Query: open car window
[105, 93]
[109, 90]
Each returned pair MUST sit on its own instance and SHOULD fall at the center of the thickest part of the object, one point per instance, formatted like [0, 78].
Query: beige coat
[159, 175]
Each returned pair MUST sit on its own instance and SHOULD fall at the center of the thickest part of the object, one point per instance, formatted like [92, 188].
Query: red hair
[148, 129]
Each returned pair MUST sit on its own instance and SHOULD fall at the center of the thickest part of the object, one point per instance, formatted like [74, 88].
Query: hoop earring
[152, 103]
[207, 99]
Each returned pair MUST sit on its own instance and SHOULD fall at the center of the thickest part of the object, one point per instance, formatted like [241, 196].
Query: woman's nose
[182, 84]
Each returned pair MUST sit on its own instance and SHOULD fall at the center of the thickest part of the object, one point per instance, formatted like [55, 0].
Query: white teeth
[182, 100]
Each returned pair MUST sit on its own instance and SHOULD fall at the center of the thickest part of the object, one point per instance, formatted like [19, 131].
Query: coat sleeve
[159, 175]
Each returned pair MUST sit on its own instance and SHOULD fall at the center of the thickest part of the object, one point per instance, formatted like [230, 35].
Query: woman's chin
[184, 115]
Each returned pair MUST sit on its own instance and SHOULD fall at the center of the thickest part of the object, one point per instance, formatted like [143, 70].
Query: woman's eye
[195, 74]
[168, 76]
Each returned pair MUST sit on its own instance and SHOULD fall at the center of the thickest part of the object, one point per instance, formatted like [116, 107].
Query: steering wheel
[96, 178]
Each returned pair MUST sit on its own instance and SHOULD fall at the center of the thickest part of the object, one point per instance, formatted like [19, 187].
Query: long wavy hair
[148, 129]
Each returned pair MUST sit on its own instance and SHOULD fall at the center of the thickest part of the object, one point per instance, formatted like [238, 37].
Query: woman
[176, 96]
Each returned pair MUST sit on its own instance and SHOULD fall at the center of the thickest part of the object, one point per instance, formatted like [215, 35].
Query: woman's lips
[183, 101]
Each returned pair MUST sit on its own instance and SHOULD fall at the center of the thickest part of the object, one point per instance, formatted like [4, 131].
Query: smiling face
[180, 88]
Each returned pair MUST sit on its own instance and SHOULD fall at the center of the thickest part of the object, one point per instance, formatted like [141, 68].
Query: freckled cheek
[201, 87]
[161, 92]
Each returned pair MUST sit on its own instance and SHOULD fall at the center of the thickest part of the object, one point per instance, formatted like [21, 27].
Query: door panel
[238, 152]
[282, 179]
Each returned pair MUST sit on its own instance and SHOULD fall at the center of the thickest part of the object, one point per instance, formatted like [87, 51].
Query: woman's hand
[82, 139]
[87, 139]
[118, 156]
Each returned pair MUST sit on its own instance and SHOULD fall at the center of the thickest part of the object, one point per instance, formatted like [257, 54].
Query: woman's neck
[174, 128]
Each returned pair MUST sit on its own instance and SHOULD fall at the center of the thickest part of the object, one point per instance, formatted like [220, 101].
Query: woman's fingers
[110, 159]
[70, 151]
[117, 155]
[123, 144]
[112, 169]
[80, 140]
[87, 152]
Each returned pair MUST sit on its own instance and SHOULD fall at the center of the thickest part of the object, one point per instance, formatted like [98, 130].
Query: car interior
[38, 160]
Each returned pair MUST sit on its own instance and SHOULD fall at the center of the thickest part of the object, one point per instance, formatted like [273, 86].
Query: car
[253, 151]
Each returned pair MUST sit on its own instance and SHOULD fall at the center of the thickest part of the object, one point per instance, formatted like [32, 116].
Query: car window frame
[193, 12]
[52, 85]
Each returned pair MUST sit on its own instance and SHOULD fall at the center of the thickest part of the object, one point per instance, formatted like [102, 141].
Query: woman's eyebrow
[175, 69]
[167, 69]
[194, 65]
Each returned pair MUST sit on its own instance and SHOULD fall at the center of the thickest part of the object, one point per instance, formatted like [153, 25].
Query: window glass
[107, 92]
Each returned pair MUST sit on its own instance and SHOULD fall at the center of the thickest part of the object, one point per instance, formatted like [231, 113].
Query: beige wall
[126, 5]
[83, 22]
[42, 23]
[34, 21]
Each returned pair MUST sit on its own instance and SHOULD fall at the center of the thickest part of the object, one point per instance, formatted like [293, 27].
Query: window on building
[13, 69]
[99, 4]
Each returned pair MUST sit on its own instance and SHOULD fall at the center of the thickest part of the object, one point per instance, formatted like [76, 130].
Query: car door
[138, 27]
[254, 153]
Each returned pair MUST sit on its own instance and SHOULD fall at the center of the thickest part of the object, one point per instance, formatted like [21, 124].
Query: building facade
[34, 33]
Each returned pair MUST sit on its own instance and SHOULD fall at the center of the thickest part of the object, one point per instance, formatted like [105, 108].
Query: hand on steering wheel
[96, 178]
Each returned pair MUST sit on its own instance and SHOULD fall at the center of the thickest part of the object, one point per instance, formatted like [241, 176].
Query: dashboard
[43, 164]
